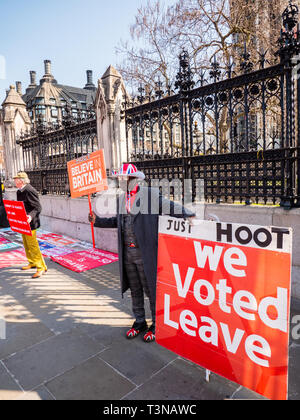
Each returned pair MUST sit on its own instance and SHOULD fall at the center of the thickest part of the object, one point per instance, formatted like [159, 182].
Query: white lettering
[208, 252]
[229, 261]
[232, 345]
[223, 292]
[239, 304]
[188, 318]
[296, 329]
[264, 349]
[182, 290]
[212, 330]
[280, 303]
[167, 320]
[205, 300]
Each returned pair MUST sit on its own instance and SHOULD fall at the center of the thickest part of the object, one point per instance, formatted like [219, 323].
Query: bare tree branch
[205, 28]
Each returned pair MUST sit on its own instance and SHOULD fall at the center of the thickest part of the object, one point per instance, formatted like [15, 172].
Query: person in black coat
[3, 217]
[138, 211]
[29, 196]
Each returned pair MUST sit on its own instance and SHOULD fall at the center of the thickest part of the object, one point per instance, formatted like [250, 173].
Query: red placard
[17, 217]
[87, 175]
[223, 301]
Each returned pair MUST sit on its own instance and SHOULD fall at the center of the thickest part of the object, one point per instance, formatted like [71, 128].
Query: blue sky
[76, 35]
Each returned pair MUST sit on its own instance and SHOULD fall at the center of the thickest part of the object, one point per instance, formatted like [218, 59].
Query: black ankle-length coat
[30, 198]
[148, 206]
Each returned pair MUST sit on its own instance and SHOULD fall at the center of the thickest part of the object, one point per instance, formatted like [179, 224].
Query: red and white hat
[128, 169]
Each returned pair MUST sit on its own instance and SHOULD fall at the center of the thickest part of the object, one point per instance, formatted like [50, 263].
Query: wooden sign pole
[92, 224]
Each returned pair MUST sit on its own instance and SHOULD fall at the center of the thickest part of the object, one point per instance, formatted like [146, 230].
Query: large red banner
[17, 217]
[223, 301]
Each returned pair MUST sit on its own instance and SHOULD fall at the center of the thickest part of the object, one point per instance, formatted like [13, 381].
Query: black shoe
[150, 335]
[136, 329]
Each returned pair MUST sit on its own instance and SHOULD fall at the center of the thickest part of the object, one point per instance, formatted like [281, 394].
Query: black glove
[92, 218]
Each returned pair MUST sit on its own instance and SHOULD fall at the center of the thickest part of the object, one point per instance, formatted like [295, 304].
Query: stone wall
[67, 216]
[70, 217]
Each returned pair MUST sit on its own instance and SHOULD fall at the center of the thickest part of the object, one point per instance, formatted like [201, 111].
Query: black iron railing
[48, 148]
[240, 133]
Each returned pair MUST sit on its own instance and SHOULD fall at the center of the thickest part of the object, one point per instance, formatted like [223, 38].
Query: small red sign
[17, 217]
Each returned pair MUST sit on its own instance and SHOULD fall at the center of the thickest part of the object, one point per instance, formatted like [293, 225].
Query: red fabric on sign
[86, 260]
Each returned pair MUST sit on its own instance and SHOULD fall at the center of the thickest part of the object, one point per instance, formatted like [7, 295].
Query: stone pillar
[89, 81]
[14, 121]
[19, 88]
[103, 126]
[111, 129]
[47, 65]
[32, 78]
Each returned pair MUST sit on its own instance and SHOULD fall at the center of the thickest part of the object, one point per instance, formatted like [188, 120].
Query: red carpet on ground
[86, 260]
[71, 253]
[12, 258]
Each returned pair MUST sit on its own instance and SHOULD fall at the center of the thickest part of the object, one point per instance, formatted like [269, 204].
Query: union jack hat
[128, 169]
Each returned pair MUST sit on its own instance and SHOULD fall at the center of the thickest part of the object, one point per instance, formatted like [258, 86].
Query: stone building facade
[111, 128]
[48, 101]
[2, 173]
[14, 119]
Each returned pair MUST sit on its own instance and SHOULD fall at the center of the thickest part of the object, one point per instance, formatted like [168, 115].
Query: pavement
[65, 340]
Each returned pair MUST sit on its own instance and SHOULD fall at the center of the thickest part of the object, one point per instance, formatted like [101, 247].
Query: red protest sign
[223, 301]
[17, 217]
[87, 175]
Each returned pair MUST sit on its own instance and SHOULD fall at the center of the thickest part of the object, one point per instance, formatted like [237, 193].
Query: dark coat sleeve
[172, 209]
[34, 202]
[106, 222]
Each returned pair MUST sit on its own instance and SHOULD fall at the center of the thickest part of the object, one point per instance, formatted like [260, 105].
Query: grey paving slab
[245, 394]
[135, 359]
[106, 335]
[181, 380]
[66, 340]
[21, 335]
[39, 394]
[62, 302]
[36, 365]
[92, 380]
[294, 372]
[54, 316]
[13, 283]
[9, 389]
[103, 279]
